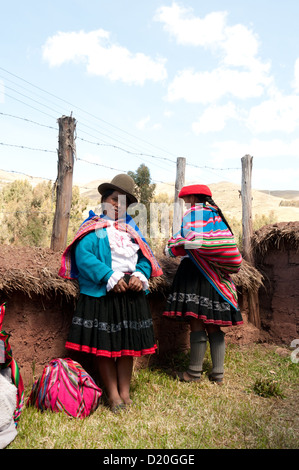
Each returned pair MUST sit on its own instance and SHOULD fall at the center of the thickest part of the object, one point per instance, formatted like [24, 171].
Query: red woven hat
[195, 189]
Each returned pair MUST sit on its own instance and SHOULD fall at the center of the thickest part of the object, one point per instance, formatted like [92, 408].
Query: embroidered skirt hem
[114, 325]
[193, 296]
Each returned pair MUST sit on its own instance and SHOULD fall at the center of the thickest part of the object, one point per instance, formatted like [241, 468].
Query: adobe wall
[39, 328]
[279, 298]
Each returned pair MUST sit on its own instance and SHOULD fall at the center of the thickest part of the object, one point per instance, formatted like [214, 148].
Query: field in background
[227, 196]
[271, 206]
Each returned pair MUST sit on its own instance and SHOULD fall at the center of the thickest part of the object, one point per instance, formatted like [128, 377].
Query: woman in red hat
[202, 292]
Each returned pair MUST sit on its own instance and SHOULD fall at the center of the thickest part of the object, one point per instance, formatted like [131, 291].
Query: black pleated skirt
[193, 296]
[114, 325]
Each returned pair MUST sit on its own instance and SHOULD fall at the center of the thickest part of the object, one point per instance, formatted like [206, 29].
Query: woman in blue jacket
[112, 263]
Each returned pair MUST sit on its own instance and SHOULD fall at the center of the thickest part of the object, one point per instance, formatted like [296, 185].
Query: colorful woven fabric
[15, 371]
[65, 386]
[68, 267]
[205, 238]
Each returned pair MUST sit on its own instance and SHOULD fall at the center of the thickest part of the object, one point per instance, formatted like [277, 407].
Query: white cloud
[214, 118]
[102, 57]
[237, 44]
[296, 76]
[274, 148]
[208, 87]
[240, 72]
[279, 113]
[189, 30]
[142, 123]
[240, 47]
[271, 178]
[1, 91]
[268, 155]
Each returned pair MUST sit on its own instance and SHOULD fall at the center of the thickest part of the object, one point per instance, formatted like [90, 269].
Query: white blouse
[124, 257]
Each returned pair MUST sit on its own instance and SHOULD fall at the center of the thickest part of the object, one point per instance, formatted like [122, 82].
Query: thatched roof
[248, 278]
[280, 236]
[34, 271]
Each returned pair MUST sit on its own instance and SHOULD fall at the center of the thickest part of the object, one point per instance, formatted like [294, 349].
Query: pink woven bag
[65, 386]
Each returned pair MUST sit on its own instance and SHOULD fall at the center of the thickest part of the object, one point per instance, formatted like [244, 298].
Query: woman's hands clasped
[122, 286]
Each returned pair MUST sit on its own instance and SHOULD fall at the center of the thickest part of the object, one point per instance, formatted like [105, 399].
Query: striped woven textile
[64, 386]
[15, 371]
[68, 267]
[206, 239]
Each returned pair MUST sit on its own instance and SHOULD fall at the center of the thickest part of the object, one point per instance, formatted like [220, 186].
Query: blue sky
[150, 81]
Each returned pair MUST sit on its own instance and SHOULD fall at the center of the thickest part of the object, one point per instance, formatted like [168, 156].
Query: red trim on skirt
[173, 314]
[101, 352]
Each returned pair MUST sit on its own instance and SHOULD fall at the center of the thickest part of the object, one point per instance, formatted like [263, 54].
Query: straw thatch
[34, 270]
[281, 236]
[247, 279]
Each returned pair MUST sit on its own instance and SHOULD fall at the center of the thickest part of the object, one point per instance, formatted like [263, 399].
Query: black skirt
[114, 325]
[193, 296]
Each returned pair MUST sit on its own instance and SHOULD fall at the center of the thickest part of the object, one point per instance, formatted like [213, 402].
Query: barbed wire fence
[67, 154]
[93, 131]
[117, 146]
[144, 156]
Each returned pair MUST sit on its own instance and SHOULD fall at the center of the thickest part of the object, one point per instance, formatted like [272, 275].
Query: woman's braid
[211, 201]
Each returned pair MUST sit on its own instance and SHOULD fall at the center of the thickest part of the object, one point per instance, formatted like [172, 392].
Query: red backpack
[65, 386]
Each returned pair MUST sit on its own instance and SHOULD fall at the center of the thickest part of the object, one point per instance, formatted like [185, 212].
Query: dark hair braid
[203, 198]
[211, 201]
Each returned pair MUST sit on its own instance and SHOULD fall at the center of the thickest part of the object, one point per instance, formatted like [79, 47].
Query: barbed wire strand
[116, 147]
[84, 111]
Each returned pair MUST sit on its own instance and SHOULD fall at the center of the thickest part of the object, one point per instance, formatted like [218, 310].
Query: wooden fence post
[247, 233]
[64, 182]
[178, 203]
[247, 227]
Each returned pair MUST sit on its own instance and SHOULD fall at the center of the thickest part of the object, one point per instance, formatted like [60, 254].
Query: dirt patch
[38, 330]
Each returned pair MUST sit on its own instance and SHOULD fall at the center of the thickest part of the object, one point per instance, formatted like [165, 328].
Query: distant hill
[225, 194]
[287, 194]
[9, 177]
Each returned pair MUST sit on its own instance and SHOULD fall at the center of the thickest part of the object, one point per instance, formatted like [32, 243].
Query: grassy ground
[256, 408]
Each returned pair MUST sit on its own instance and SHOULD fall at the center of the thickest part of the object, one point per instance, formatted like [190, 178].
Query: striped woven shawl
[211, 246]
[68, 268]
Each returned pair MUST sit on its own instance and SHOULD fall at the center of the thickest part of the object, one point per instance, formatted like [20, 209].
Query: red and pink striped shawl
[212, 247]
[68, 268]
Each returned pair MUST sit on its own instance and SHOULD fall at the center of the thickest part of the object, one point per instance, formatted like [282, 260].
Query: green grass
[168, 414]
